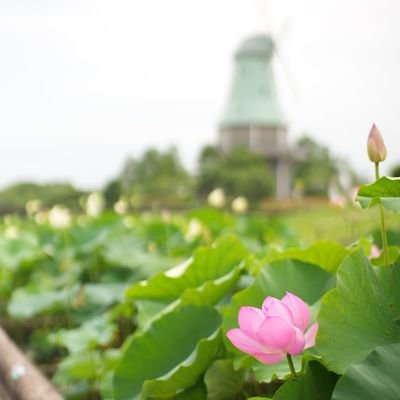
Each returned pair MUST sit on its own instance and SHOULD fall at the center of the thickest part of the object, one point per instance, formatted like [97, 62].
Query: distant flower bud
[375, 252]
[33, 206]
[60, 217]
[376, 147]
[11, 232]
[95, 204]
[240, 205]
[121, 206]
[195, 229]
[216, 198]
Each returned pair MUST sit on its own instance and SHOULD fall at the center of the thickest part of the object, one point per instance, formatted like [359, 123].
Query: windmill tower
[253, 117]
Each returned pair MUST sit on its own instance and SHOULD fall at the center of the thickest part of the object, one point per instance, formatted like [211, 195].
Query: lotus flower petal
[244, 342]
[298, 344]
[310, 335]
[276, 334]
[250, 319]
[276, 308]
[299, 310]
[268, 302]
[269, 359]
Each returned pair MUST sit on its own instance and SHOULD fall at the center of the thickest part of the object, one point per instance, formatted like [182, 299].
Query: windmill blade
[266, 21]
[277, 39]
[286, 72]
[283, 32]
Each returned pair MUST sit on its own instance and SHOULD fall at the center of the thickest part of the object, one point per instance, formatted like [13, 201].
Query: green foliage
[374, 378]
[361, 313]
[171, 355]
[112, 192]
[316, 383]
[385, 191]
[314, 167]
[137, 306]
[209, 264]
[15, 197]
[239, 173]
[223, 382]
[26, 302]
[156, 176]
[327, 254]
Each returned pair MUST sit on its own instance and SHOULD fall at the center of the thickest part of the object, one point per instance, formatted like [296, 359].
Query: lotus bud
[375, 252]
[216, 198]
[376, 147]
[240, 205]
[194, 230]
[60, 217]
[121, 206]
[94, 204]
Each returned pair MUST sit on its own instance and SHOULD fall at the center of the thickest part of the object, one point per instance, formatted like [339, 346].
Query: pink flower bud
[375, 252]
[277, 329]
[376, 147]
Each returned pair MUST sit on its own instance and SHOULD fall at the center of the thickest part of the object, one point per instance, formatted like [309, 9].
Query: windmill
[253, 116]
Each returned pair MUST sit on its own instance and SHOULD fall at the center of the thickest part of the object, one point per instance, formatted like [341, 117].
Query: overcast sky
[85, 83]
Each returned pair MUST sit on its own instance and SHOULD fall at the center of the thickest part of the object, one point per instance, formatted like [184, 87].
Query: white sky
[85, 83]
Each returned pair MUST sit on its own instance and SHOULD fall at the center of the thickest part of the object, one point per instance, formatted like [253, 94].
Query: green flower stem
[383, 226]
[291, 366]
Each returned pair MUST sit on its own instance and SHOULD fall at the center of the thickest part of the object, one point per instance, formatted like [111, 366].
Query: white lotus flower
[11, 232]
[95, 204]
[240, 205]
[41, 217]
[128, 221]
[33, 206]
[60, 217]
[216, 198]
[121, 206]
[195, 229]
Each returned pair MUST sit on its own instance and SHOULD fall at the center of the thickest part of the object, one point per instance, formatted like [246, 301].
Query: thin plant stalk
[383, 225]
[291, 366]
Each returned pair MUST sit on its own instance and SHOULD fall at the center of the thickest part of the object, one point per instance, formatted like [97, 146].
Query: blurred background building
[253, 117]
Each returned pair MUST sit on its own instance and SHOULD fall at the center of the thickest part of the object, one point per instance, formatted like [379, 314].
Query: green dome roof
[256, 46]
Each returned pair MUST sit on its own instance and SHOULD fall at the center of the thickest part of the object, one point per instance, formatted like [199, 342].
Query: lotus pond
[138, 306]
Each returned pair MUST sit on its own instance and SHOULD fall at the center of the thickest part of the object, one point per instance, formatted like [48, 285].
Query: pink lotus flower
[376, 147]
[274, 331]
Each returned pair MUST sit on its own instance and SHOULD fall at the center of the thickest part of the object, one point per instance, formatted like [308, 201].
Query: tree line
[159, 178]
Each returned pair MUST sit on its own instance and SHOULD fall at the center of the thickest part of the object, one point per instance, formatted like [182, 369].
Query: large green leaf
[211, 291]
[317, 383]
[223, 382]
[326, 254]
[98, 331]
[305, 280]
[377, 377]
[360, 313]
[258, 398]
[385, 191]
[197, 392]
[86, 366]
[208, 264]
[14, 253]
[170, 356]
[104, 294]
[129, 251]
[27, 302]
